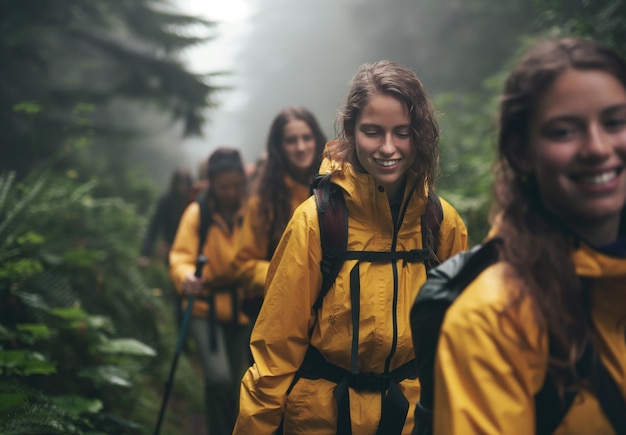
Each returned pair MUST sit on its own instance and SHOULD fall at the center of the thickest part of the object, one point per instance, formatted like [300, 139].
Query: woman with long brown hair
[294, 151]
[345, 364]
[553, 309]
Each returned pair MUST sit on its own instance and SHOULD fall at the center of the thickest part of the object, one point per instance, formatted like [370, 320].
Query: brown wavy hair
[395, 80]
[275, 197]
[392, 79]
[536, 244]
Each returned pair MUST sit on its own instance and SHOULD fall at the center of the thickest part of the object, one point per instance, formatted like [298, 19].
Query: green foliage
[126, 346]
[69, 68]
[468, 153]
[601, 20]
[24, 410]
[468, 137]
[78, 322]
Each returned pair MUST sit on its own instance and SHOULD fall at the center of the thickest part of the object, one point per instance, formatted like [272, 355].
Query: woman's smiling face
[578, 151]
[299, 145]
[383, 141]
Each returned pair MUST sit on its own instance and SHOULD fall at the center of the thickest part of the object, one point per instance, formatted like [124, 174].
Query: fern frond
[82, 190]
[24, 410]
[6, 181]
[21, 204]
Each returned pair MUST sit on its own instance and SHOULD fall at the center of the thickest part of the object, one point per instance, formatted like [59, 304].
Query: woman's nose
[301, 144]
[387, 147]
[597, 143]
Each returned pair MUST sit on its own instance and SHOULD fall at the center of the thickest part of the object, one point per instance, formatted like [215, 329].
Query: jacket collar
[592, 263]
[364, 195]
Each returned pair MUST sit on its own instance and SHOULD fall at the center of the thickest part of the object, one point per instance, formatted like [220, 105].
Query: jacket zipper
[394, 267]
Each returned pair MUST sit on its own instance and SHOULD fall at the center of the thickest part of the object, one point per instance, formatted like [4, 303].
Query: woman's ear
[519, 155]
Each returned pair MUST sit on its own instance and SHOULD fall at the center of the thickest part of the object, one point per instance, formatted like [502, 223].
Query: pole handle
[202, 260]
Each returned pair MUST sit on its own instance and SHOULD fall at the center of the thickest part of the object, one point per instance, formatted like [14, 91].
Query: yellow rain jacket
[485, 380]
[251, 260]
[281, 334]
[218, 274]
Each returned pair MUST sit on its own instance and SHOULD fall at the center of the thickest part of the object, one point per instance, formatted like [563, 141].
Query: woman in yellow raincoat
[219, 327]
[384, 162]
[557, 299]
[294, 151]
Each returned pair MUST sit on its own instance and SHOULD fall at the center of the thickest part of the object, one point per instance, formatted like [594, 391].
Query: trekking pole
[202, 260]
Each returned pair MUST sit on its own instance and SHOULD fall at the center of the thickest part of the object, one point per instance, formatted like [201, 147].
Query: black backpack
[333, 221]
[444, 284]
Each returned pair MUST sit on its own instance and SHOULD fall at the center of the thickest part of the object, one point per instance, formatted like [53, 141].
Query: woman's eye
[403, 134]
[370, 133]
[559, 133]
[616, 123]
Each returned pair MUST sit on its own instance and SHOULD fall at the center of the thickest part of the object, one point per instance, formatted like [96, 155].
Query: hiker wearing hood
[347, 366]
[536, 343]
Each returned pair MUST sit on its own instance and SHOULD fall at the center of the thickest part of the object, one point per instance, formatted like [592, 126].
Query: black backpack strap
[551, 409]
[205, 222]
[206, 219]
[610, 397]
[433, 216]
[412, 256]
[333, 221]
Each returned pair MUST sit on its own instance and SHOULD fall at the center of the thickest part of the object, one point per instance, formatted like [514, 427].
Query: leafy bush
[78, 322]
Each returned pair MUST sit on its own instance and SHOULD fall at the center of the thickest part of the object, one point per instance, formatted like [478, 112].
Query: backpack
[333, 222]
[444, 284]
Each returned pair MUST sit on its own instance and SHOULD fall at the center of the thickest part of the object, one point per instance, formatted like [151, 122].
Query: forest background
[98, 107]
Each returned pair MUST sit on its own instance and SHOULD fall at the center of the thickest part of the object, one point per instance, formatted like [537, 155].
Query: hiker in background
[294, 150]
[200, 186]
[554, 307]
[164, 221]
[347, 366]
[220, 329]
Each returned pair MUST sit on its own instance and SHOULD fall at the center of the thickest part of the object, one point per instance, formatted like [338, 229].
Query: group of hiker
[340, 295]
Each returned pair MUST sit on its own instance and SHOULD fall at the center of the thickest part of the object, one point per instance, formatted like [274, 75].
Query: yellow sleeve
[183, 254]
[489, 364]
[250, 260]
[452, 234]
[280, 336]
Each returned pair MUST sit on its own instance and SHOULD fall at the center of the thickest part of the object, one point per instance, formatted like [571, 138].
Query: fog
[289, 53]
[281, 52]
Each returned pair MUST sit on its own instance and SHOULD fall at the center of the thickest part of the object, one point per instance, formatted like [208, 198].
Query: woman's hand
[192, 285]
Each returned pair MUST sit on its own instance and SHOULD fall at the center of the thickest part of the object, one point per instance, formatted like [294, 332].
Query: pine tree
[63, 59]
